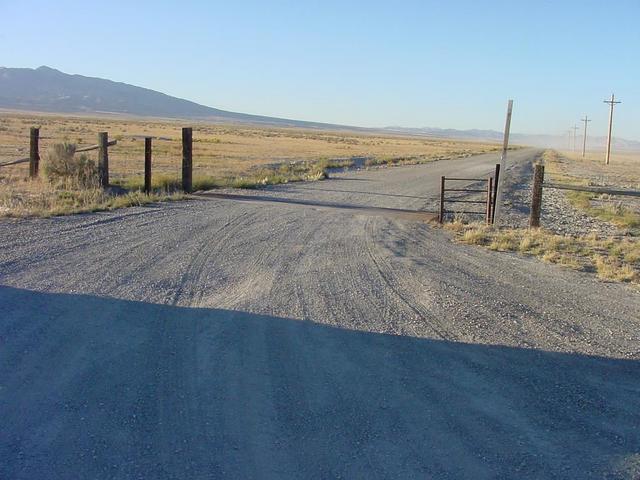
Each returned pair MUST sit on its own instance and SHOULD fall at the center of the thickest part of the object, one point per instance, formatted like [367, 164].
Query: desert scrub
[22, 198]
[278, 174]
[611, 259]
[608, 268]
[61, 164]
[476, 236]
[70, 185]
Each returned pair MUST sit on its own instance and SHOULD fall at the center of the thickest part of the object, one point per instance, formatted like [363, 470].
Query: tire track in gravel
[285, 276]
[470, 284]
[207, 244]
[396, 286]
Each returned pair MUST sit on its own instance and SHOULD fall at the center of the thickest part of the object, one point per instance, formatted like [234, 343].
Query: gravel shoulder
[557, 215]
[217, 338]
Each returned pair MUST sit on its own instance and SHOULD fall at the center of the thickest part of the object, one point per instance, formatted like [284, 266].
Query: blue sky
[411, 63]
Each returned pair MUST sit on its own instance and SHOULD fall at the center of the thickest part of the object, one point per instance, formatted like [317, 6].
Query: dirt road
[307, 331]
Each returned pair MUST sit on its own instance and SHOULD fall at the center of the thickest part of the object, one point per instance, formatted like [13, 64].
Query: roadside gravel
[557, 214]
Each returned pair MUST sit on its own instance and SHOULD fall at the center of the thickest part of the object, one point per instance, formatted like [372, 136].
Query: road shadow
[97, 387]
[418, 215]
[362, 192]
[333, 178]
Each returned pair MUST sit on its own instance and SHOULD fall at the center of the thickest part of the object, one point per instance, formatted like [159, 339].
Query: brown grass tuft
[612, 259]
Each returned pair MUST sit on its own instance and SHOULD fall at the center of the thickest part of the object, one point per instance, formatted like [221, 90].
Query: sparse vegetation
[562, 169]
[62, 165]
[224, 156]
[611, 259]
[40, 198]
[69, 185]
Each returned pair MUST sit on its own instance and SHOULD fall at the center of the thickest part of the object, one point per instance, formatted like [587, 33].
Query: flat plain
[219, 150]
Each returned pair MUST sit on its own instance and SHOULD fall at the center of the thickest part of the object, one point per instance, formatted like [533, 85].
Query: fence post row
[187, 159]
[147, 165]
[103, 158]
[34, 152]
[536, 197]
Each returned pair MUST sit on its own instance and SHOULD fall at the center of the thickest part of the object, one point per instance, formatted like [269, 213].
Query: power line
[575, 129]
[585, 120]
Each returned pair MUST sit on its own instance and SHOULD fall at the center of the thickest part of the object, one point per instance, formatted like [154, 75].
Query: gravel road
[307, 331]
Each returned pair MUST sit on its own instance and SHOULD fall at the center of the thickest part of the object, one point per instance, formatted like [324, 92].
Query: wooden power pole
[503, 164]
[575, 129]
[611, 103]
[585, 120]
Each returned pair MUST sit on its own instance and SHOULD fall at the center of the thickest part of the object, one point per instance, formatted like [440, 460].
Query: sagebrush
[61, 164]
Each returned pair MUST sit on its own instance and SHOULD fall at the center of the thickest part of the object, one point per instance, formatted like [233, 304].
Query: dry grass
[612, 269]
[39, 198]
[70, 184]
[609, 258]
[224, 155]
[624, 169]
[222, 151]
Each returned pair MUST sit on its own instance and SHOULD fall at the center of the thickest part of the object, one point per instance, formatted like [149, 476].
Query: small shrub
[477, 236]
[61, 165]
[551, 257]
[526, 244]
[457, 225]
[505, 241]
[611, 269]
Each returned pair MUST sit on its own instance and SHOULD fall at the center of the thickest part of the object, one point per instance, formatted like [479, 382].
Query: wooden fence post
[489, 196]
[147, 165]
[103, 158]
[187, 159]
[495, 192]
[536, 196]
[34, 152]
[441, 216]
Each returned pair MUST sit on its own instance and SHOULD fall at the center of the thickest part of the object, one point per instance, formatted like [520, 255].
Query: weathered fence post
[187, 159]
[147, 165]
[495, 192]
[489, 196]
[103, 158]
[441, 216]
[34, 152]
[536, 196]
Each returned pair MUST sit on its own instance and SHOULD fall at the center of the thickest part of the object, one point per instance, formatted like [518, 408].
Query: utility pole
[503, 166]
[585, 120]
[611, 103]
[575, 129]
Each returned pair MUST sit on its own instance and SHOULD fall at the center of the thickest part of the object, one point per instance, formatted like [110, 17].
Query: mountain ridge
[46, 89]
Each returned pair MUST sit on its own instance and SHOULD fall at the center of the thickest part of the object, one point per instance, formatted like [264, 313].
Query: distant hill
[45, 89]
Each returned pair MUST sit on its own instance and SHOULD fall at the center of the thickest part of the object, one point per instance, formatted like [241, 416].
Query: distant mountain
[45, 89]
